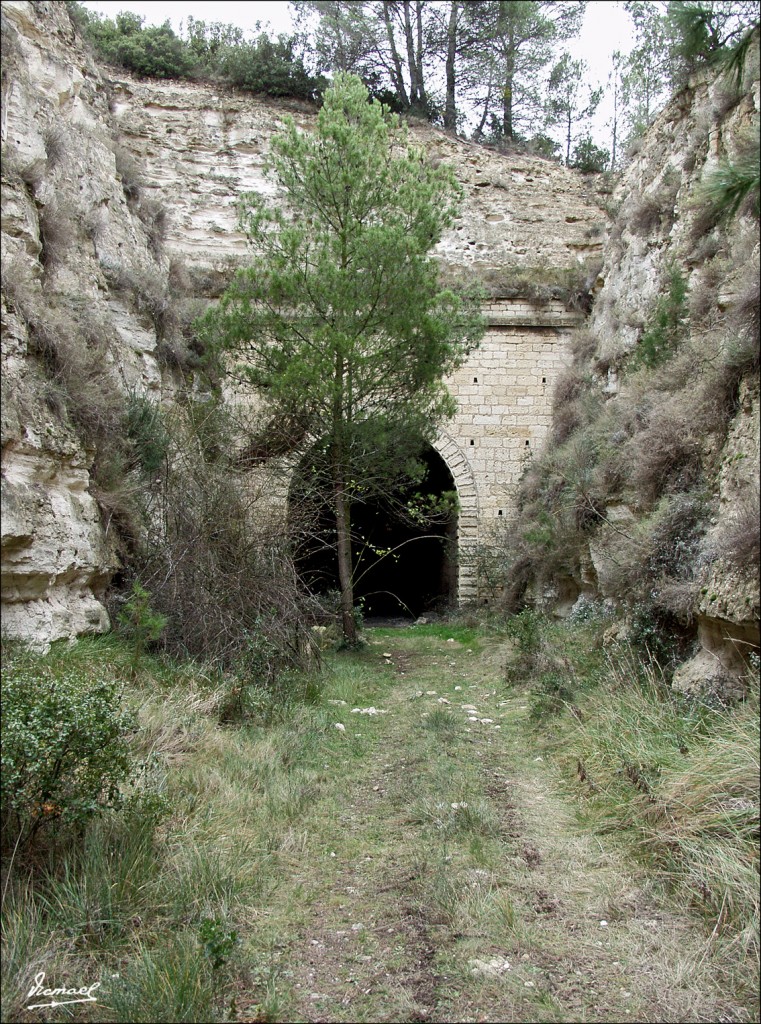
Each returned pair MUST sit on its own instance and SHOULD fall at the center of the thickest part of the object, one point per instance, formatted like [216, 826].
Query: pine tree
[339, 320]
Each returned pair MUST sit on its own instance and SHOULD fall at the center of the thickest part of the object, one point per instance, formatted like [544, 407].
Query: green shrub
[589, 158]
[155, 52]
[732, 188]
[667, 327]
[269, 66]
[551, 695]
[65, 745]
[217, 941]
[525, 629]
[142, 624]
[148, 433]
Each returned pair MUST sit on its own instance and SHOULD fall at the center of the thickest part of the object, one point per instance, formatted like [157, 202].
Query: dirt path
[450, 883]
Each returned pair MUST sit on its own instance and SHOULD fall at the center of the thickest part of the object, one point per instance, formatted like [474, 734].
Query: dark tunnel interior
[420, 572]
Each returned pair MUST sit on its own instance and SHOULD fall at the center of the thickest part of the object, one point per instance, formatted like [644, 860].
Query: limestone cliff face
[663, 225]
[199, 149]
[119, 219]
[64, 212]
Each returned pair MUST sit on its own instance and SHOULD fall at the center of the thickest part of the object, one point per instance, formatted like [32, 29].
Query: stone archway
[467, 521]
[456, 570]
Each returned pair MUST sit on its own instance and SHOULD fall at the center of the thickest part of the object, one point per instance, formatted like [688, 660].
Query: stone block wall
[504, 411]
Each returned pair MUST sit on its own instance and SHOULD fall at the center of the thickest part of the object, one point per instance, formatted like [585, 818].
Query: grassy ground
[421, 863]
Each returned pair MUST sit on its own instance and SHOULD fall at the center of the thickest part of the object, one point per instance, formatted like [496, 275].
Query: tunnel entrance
[402, 566]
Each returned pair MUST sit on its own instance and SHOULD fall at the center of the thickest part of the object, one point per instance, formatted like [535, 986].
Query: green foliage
[217, 941]
[733, 184]
[433, 508]
[550, 696]
[677, 779]
[171, 983]
[140, 622]
[667, 327]
[65, 745]
[735, 59]
[209, 41]
[506, 48]
[708, 32]
[589, 158]
[322, 319]
[525, 629]
[154, 51]
[542, 145]
[569, 101]
[148, 433]
[671, 44]
[269, 66]
[446, 726]
[694, 34]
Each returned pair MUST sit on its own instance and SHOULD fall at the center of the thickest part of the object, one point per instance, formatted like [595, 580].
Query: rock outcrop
[664, 226]
[119, 222]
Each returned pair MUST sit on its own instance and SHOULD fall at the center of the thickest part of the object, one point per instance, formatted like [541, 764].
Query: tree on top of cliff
[675, 39]
[154, 52]
[211, 50]
[339, 320]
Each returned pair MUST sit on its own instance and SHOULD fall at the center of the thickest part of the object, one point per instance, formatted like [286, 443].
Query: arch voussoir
[467, 522]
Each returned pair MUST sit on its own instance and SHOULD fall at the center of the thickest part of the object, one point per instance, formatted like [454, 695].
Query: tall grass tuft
[173, 983]
[679, 778]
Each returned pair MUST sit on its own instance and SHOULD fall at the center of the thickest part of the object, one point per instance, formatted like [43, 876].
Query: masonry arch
[402, 568]
[468, 517]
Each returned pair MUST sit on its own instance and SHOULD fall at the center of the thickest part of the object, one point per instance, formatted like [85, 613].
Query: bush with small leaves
[269, 66]
[65, 749]
[667, 327]
[217, 940]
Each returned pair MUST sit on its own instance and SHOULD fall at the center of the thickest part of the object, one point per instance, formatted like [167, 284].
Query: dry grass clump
[679, 780]
[666, 456]
[210, 282]
[654, 212]
[129, 172]
[567, 410]
[30, 173]
[540, 285]
[583, 346]
[155, 219]
[745, 311]
[58, 230]
[566, 419]
[738, 540]
[704, 292]
[56, 141]
[653, 559]
[730, 358]
[645, 217]
[74, 347]
[148, 296]
[569, 386]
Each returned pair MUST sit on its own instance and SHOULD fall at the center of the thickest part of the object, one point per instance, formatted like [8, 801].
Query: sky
[606, 28]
